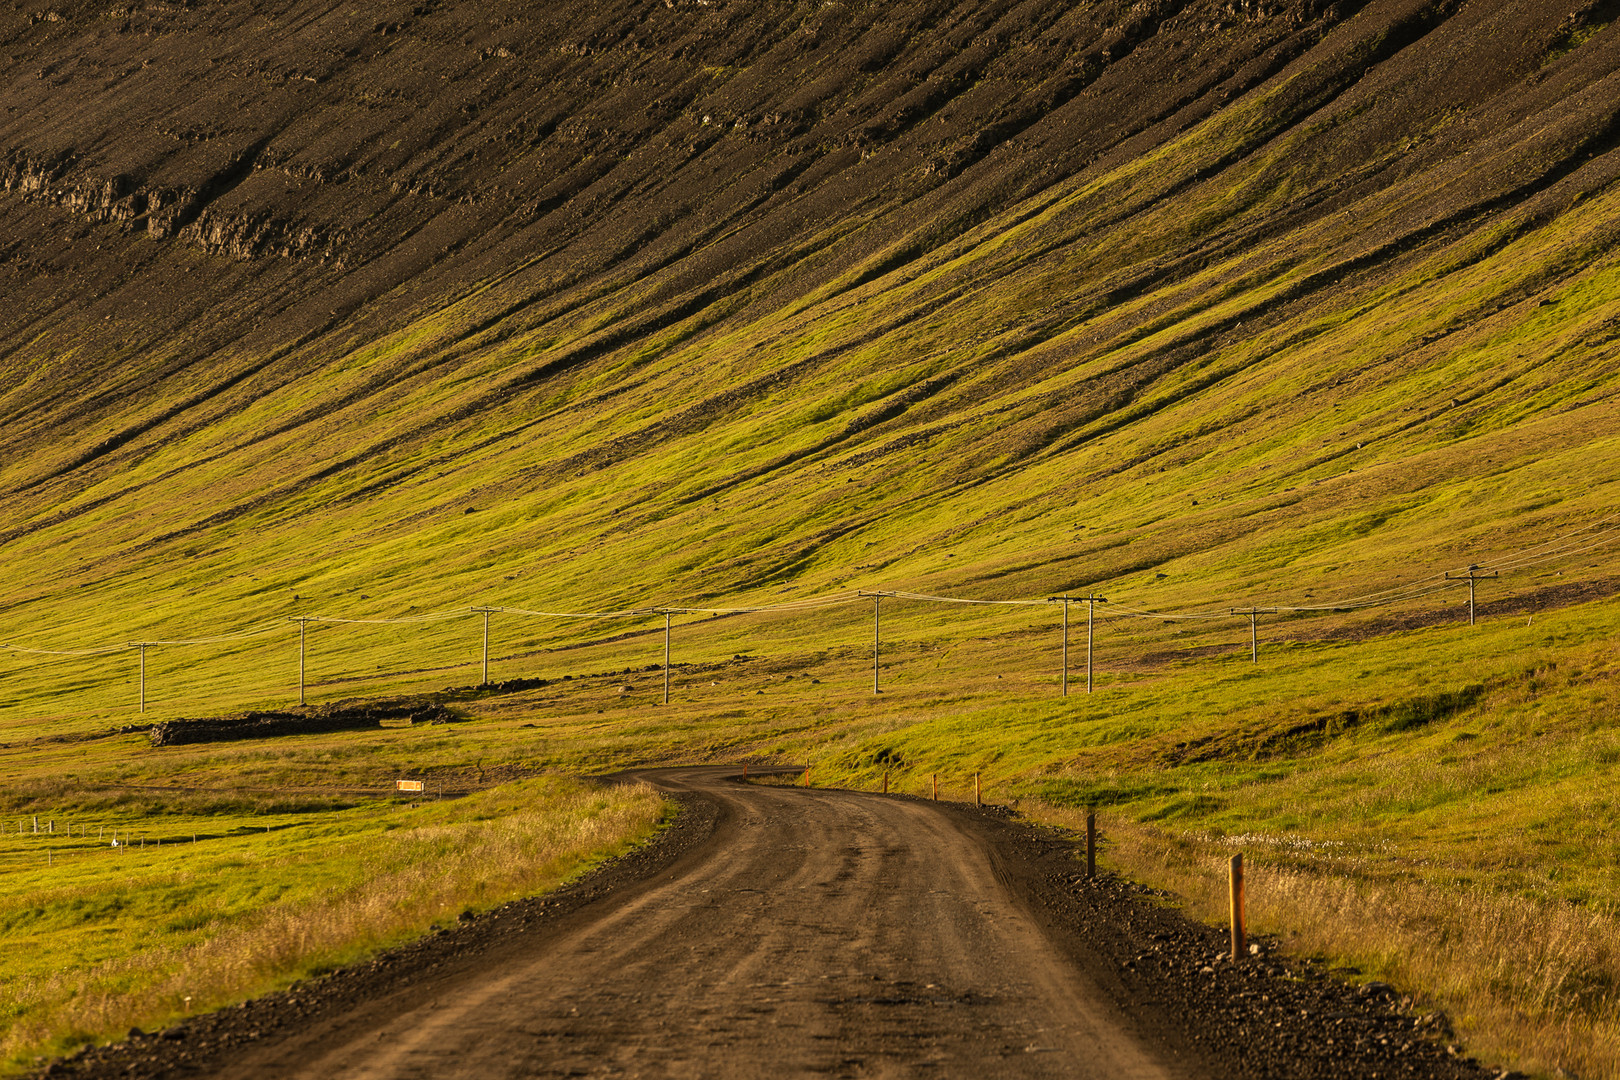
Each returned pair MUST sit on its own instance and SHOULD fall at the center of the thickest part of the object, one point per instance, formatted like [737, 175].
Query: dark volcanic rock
[264, 725]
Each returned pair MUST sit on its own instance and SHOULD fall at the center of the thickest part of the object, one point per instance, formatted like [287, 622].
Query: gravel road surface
[783, 931]
[819, 932]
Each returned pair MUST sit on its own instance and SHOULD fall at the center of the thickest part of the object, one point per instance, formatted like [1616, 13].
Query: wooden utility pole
[877, 639]
[1091, 620]
[877, 633]
[1470, 577]
[141, 645]
[1254, 633]
[667, 613]
[303, 622]
[485, 611]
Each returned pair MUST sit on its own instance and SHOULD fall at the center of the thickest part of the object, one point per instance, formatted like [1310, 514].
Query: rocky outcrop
[55, 183]
[318, 720]
[188, 214]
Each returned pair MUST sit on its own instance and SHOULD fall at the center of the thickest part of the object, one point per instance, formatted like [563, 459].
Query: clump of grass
[398, 881]
[1525, 979]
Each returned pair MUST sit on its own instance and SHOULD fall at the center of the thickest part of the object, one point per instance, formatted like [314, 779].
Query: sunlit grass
[94, 938]
[1451, 761]
[1045, 401]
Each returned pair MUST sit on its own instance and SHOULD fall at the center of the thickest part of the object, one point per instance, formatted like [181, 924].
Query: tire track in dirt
[779, 931]
[823, 932]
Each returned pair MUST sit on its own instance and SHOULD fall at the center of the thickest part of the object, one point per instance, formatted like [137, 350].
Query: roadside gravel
[784, 931]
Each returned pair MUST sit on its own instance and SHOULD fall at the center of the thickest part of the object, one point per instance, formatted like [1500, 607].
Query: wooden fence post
[1235, 879]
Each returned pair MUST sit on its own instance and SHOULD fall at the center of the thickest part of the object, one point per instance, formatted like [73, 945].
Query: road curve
[817, 932]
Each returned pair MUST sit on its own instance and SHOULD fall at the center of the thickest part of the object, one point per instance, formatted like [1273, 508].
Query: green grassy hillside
[383, 315]
[1348, 329]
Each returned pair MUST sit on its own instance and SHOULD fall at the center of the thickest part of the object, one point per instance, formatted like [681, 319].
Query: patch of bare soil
[201, 204]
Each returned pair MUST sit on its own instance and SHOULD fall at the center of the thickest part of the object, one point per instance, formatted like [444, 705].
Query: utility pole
[485, 611]
[1091, 618]
[141, 645]
[1254, 634]
[1471, 577]
[303, 622]
[877, 637]
[666, 613]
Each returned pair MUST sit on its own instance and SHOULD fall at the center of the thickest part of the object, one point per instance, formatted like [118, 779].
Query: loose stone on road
[822, 932]
[779, 931]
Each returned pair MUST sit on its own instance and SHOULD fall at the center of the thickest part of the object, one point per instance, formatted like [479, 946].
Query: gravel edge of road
[1271, 1016]
[187, 1047]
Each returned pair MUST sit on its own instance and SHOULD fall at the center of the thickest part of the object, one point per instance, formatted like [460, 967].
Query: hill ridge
[1224, 283]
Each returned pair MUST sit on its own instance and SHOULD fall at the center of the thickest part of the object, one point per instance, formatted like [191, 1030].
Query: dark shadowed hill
[600, 304]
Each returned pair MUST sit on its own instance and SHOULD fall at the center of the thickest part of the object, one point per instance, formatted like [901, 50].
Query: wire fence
[1597, 535]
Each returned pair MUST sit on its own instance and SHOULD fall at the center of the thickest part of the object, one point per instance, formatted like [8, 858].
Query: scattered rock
[319, 719]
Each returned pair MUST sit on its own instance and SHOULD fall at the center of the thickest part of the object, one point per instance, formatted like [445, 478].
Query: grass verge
[1448, 780]
[138, 936]
[1535, 981]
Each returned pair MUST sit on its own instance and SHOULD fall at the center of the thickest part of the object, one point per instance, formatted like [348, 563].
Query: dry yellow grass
[1532, 981]
[474, 853]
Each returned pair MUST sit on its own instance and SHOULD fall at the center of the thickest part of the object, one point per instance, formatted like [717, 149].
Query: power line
[961, 600]
[218, 639]
[626, 614]
[104, 650]
[1166, 616]
[1593, 536]
[433, 616]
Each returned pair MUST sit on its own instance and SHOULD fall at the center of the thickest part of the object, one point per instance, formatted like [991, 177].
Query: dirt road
[780, 931]
[821, 932]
